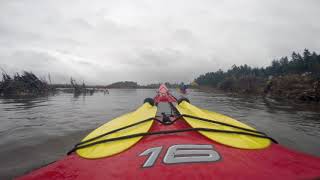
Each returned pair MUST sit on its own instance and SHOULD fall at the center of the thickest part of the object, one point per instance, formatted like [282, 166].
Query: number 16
[183, 153]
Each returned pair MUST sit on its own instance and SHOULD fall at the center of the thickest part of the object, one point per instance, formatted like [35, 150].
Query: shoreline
[298, 88]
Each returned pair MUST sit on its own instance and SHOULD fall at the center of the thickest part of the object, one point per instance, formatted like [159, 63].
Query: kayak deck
[233, 163]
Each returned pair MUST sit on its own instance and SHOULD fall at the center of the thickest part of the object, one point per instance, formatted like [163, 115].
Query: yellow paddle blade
[111, 148]
[233, 140]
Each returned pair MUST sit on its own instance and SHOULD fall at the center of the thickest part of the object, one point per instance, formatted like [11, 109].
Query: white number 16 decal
[183, 153]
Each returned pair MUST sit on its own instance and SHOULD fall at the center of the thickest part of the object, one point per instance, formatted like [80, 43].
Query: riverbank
[301, 88]
[295, 87]
[295, 78]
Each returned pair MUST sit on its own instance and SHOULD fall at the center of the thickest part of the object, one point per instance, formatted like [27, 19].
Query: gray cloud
[106, 41]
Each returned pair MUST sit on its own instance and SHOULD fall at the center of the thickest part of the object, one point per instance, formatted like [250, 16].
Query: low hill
[124, 84]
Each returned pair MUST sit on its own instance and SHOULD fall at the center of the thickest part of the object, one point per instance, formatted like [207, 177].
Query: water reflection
[24, 103]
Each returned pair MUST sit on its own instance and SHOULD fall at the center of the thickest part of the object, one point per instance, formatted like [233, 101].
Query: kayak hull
[274, 162]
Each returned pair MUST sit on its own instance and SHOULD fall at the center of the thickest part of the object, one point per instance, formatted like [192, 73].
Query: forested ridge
[297, 64]
[298, 74]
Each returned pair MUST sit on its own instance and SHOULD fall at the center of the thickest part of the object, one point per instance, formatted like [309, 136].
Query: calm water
[37, 131]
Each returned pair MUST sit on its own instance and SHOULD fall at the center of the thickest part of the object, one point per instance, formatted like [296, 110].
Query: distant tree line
[297, 64]
[135, 85]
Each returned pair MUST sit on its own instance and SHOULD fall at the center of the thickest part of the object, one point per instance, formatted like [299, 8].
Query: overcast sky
[151, 41]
